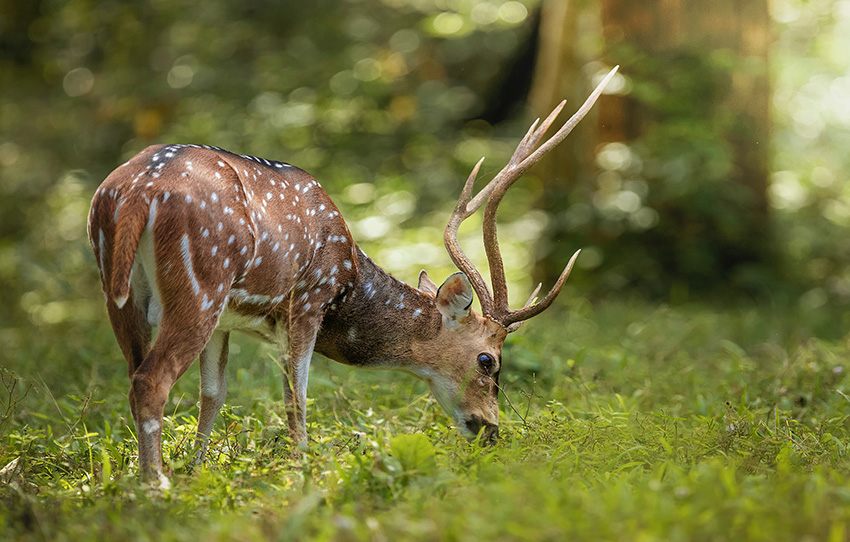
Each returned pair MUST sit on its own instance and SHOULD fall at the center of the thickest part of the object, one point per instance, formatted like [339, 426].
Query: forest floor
[623, 420]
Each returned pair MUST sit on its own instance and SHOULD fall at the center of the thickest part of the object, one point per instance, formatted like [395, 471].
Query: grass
[623, 420]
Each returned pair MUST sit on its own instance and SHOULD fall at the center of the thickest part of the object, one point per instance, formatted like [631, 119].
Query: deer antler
[527, 153]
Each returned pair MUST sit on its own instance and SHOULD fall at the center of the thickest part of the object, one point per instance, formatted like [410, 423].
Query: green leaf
[414, 452]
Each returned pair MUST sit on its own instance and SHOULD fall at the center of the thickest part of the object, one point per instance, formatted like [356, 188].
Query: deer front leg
[213, 389]
[297, 351]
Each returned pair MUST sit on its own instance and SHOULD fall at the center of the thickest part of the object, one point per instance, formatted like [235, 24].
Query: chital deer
[200, 242]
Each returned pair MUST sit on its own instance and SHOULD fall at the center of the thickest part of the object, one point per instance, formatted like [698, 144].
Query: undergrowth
[620, 421]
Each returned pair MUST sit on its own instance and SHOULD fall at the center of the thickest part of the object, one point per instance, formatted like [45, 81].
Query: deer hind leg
[296, 346]
[133, 333]
[176, 346]
[191, 305]
[130, 323]
[213, 389]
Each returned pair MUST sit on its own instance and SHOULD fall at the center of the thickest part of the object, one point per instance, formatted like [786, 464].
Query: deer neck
[378, 320]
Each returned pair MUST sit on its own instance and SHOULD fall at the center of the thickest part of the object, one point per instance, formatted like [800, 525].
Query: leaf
[106, 466]
[414, 452]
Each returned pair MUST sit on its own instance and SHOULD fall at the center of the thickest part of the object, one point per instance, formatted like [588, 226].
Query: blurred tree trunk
[723, 48]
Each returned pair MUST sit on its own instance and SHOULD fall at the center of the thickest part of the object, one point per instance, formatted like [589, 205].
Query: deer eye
[486, 362]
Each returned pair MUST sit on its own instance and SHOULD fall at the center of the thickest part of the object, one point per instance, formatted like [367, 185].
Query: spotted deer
[199, 242]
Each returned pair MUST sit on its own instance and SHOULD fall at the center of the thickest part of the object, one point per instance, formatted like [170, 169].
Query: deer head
[464, 359]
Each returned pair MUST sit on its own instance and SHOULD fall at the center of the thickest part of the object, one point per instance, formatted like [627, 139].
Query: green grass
[625, 421]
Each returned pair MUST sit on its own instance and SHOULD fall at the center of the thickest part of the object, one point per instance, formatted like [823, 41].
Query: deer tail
[128, 232]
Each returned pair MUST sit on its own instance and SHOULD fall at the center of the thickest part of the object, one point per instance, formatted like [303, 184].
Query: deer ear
[426, 284]
[454, 298]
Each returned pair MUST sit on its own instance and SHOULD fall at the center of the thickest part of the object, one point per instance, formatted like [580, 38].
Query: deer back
[260, 235]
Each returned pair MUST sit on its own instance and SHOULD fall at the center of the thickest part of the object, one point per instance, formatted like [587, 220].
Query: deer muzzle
[489, 431]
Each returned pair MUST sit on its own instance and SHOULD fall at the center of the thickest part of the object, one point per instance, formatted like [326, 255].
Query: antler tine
[526, 143]
[571, 123]
[531, 299]
[545, 126]
[466, 193]
[461, 260]
[533, 295]
[520, 154]
[531, 310]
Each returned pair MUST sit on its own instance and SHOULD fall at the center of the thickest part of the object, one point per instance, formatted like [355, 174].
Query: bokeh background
[715, 169]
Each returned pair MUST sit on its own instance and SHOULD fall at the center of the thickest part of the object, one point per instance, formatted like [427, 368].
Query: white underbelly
[258, 326]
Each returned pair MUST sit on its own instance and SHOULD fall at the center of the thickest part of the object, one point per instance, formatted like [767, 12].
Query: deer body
[199, 242]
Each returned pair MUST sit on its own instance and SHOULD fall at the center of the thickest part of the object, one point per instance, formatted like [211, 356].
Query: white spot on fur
[242, 296]
[150, 426]
[185, 251]
[152, 213]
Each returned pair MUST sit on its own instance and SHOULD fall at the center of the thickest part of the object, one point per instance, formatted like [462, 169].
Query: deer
[197, 242]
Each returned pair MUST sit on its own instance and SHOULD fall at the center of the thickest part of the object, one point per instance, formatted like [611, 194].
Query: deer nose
[491, 430]
[490, 434]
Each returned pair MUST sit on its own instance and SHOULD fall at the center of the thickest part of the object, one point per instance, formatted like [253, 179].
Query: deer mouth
[489, 432]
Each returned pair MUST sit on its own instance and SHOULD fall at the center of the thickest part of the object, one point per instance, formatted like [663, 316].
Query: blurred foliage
[810, 192]
[644, 422]
[680, 218]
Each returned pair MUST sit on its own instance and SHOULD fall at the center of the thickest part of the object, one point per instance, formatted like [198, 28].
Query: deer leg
[296, 366]
[174, 350]
[133, 333]
[213, 389]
